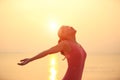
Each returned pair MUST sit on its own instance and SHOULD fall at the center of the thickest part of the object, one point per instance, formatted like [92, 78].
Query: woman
[73, 52]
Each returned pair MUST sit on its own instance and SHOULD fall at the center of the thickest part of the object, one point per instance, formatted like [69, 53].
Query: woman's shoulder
[66, 45]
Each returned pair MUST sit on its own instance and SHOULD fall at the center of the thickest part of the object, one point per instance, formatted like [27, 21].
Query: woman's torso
[75, 58]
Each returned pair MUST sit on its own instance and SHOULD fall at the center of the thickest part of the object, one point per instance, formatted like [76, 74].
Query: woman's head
[66, 32]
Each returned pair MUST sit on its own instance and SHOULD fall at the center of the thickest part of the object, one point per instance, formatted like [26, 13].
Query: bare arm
[59, 47]
[54, 49]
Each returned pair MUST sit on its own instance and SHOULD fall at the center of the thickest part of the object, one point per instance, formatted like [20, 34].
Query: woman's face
[66, 31]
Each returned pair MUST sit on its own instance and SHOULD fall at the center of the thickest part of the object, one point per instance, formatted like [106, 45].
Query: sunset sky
[26, 26]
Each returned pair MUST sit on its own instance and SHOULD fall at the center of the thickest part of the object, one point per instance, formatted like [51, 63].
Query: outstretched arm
[59, 47]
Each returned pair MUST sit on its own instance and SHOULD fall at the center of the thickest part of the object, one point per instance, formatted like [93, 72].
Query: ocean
[97, 67]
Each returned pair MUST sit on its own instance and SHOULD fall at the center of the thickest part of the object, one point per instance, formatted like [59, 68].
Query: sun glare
[53, 71]
[53, 26]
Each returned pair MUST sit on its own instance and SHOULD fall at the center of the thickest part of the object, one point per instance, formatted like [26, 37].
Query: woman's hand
[24, 61]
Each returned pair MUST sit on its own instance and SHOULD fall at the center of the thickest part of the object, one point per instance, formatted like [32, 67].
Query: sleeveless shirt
[76, 59]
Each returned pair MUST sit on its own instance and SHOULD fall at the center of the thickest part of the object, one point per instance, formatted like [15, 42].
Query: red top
[76, 59]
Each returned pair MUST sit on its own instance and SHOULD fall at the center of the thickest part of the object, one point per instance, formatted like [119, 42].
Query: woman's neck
[72, 38]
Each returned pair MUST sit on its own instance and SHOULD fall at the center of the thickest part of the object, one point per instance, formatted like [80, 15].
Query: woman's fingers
[20, 63]
[24, 61]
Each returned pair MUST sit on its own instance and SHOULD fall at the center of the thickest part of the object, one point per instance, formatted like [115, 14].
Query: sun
[53, 26]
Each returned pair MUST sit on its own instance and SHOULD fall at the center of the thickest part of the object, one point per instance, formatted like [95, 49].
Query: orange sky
[25, 26]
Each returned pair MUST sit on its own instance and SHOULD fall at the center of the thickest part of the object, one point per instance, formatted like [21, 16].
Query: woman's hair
[68, 30]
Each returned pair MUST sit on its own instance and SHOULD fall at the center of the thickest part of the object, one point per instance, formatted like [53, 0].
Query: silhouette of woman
[73, 52]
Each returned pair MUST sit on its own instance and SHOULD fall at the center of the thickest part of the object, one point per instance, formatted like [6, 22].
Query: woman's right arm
[58, 48]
